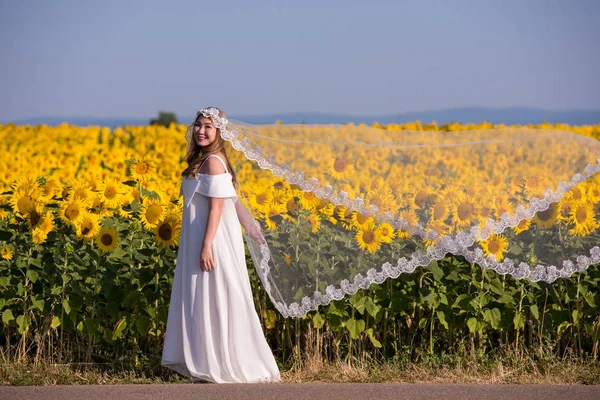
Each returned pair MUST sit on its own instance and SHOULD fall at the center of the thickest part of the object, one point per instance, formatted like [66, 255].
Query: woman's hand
[207, 263]
[256, 233]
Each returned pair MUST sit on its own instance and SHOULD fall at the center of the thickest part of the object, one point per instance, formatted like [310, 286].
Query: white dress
[213, 331]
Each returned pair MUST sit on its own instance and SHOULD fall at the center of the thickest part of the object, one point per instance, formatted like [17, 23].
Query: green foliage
[164, 119]
[96, 306]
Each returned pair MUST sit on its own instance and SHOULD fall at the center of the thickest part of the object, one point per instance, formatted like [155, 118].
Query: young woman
[213, 331]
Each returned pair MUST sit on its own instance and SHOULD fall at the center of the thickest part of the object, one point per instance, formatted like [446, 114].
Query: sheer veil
[344, 206]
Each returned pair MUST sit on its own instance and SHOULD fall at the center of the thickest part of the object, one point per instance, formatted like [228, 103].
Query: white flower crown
[213, 113]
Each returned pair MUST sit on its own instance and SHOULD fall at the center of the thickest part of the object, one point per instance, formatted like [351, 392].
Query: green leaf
[318, 320]
[355, 327]
[39, 304]
[535, 312]
[5, 236]
[4, 281]
[56, 322]
[66, 306]
[438, 273]
[519, 321]
[142, 324]
[32, 275]
[576, 316]
[375, 342]
[7, 316]
[442, 317]
[119, 328]
[270, 319]
[2, 303]
[23, 321]
[472, 324]
[563, 325]
[372, 308]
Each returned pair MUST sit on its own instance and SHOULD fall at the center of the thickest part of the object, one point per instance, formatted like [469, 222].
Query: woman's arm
[212, 166]
[248, 222]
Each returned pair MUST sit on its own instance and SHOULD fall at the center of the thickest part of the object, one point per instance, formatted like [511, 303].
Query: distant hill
[515, 115]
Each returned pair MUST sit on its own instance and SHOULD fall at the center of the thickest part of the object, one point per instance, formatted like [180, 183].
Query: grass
[522, 370]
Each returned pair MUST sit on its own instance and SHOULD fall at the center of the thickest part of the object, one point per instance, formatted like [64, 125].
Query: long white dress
[213, 331]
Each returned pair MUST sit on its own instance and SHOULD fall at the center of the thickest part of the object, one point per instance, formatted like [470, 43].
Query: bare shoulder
[213, 166]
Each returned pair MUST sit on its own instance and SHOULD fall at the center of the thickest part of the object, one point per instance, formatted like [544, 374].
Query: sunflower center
[110, 192]
[494, 246]
[465, 211]
[361, 219]
[309, 195]
[85, 229]
[577, 194]
[421, 198]
[439, 209]
[340, 164]
[291, 206]
[34, 218]
[141, 168]
[368, 237]
[581, 214]
[106, 239]
[546, 214]
[261, 198]
[165, 232]
[153, 213]
[24, 204]
[72, 211]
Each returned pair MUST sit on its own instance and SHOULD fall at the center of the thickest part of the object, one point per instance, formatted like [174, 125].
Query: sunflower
[344, 216]
[522, 226]
[386, 232]
[80, 189]
[502, 205]
[71, 211]
[260, 199]
[28, 184]
[280, 196]
[22, 202]
[582, 216]
[3, 201]
[308, 200]
[439, 210]
[464, 211]
[110, 193]
[6, 253]
[34, 216]
[107, 239]
[496, 245]
[547, 218]
[360, 221]
[411, 218]
[152, 212]
[423, 196]
[368, 240]
[168, 231]
[291, 207]
[340, 168]
[273, 215]
[287, 258]
[50, 187]
[143, 170]
[38, 236]
[88, 227]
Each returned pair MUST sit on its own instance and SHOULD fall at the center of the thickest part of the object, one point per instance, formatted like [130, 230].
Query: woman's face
[205, 131]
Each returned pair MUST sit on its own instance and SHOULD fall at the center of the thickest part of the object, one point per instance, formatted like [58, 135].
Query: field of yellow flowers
[90, 222]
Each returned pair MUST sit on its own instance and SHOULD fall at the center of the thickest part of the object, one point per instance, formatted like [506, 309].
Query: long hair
[196, 154]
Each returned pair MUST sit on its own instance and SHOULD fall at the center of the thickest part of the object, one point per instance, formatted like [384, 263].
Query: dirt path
[311, 391]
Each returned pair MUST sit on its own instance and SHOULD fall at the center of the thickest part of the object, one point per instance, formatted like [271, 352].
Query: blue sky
[133, 58]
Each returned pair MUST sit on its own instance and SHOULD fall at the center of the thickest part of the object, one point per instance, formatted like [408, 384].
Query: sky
[133, 58]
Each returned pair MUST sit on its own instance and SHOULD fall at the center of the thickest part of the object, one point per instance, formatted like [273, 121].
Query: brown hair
[195, 154]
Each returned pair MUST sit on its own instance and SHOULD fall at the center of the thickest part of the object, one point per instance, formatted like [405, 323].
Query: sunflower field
[90, 220]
